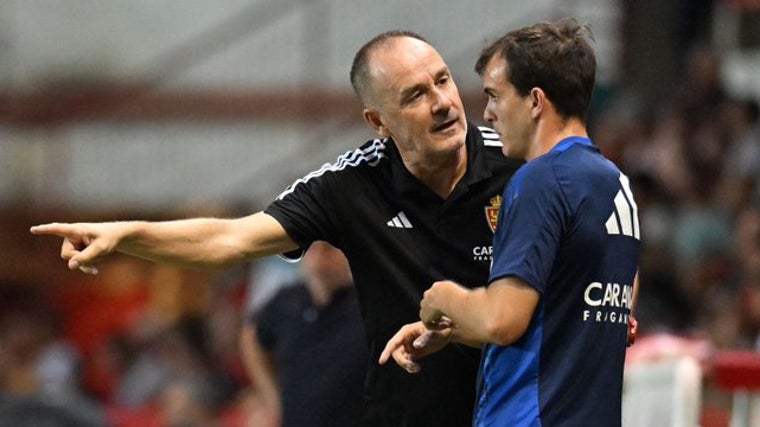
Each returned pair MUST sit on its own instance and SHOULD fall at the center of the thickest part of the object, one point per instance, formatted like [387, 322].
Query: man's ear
[373, 118]
[538, 101]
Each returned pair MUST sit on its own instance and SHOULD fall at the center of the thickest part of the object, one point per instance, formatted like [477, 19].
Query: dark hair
[555, 57]
[360, 78]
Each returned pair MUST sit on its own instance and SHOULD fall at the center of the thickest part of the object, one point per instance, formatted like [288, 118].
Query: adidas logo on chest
[399, 221]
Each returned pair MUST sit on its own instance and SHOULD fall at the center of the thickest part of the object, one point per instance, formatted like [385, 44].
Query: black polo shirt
[320, 359]
[400, 237]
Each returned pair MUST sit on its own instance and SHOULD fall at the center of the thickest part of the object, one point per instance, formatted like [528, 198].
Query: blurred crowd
[137, 345]
[150, 345]
[694, 163]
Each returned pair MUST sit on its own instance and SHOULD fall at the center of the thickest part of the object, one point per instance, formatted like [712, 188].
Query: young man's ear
[372, 117]
[538, 101]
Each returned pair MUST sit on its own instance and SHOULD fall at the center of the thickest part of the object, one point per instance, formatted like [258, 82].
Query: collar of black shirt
[478, 167]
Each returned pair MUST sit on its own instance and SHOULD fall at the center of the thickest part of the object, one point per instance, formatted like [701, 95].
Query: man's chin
[454, 141]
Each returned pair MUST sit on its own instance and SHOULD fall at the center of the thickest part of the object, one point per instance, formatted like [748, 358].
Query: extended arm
[200, 242]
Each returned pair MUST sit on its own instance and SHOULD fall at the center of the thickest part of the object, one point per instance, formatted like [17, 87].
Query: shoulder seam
[370, 155]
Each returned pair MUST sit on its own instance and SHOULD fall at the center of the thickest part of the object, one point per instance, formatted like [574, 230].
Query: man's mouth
[445, 125]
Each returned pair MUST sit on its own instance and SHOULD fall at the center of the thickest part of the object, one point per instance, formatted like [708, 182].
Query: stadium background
[143, 109]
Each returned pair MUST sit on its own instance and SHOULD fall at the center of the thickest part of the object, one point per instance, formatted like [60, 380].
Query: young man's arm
[200, 242]
[497, 314]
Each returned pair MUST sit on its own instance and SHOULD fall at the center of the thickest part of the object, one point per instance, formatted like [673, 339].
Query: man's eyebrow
[406, 93]
[442, 72]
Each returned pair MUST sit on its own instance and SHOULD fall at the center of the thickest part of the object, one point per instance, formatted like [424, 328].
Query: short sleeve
[530, 225]
[306, 209]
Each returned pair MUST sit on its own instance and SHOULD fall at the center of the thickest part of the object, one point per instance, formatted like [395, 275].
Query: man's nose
[442, 102]
[488, 116]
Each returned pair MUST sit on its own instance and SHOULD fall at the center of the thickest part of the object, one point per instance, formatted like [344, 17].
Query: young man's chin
[510, 152]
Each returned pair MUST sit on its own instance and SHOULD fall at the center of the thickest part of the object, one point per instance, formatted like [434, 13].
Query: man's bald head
[361, 76]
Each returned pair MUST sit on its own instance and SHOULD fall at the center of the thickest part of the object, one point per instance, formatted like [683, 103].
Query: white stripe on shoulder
[490, 137]
[371, 155]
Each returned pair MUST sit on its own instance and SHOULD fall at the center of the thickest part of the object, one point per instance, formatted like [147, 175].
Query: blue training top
[568, 227]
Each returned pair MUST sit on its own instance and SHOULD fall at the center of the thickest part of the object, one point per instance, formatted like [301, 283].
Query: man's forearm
[205, 242]
[198, 242]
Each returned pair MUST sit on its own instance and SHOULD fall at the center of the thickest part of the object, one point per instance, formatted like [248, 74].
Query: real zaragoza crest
[492, 212]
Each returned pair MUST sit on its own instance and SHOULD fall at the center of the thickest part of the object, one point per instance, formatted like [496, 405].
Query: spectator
[305, 349]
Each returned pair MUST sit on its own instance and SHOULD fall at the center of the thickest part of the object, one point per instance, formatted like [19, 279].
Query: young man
[415, 206]
[554, 316]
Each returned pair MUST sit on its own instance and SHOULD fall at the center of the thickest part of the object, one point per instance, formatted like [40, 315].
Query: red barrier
[737, 370]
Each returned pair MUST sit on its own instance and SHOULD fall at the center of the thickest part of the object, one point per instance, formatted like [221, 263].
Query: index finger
[55, 228]
[394, 343]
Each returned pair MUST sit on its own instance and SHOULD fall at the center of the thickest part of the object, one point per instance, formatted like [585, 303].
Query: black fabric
[320, 355]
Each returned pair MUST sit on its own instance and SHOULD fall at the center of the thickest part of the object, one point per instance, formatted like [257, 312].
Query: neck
[549, 134]
[440, 174]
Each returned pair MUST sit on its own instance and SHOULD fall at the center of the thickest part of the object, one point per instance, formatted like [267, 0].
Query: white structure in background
[665, 393]
[156, 165]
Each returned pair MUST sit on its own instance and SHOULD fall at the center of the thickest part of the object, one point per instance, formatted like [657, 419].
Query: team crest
[492, 212]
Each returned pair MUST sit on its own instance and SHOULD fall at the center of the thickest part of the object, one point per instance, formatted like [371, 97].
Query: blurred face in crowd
[325, 267]
[414, 100]
[506, 111]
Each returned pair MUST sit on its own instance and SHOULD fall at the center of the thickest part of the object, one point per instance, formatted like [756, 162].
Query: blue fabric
[569, 228]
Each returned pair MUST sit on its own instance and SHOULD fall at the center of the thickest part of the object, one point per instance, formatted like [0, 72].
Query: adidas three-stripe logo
[399, 221]
[490, 137]
[625, 219]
